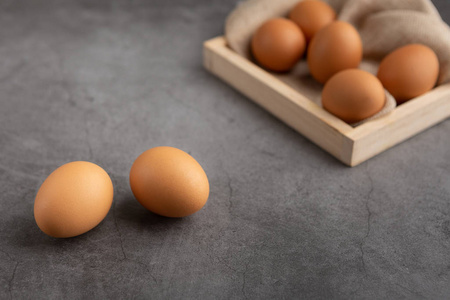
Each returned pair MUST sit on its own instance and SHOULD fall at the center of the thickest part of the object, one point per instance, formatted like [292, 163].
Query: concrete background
[105, 80]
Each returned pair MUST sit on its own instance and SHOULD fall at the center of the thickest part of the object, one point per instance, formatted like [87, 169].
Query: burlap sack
[384, 25]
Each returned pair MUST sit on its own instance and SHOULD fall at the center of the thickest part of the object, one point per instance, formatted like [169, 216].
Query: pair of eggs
[408, 72]
[77, 196]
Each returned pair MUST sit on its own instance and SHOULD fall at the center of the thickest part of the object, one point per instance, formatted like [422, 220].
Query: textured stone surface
[103, 81]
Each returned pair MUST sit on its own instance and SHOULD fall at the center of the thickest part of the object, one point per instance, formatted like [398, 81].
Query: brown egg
[278, 44]
[409, 71]
[334, 48]
[73, 199]
[169, 182]
[311, 16]
[353, 95]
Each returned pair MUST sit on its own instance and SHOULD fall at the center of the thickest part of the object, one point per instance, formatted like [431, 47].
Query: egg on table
[409, 71]
[169, 182]
[353, 95]
[334, 48]
[278, 44]
[311, 16]
[73, 199]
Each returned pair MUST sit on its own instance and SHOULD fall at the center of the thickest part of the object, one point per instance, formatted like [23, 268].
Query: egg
[409, 71]
[169, 182]
[353, 95]
[278, 44]
[73, 199]
[334, 48]
[311, 16]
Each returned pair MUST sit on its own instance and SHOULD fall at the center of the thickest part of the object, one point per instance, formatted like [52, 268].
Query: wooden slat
[404, 122]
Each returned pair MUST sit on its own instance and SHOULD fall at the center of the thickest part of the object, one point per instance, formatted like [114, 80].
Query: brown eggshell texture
[311, 16]
[278, 44]
[334, 48]
[169, 182]
[73, 199]
[353, 95]
[409, 71]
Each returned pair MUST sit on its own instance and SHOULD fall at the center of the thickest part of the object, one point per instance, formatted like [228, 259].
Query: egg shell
[334, 48]
[409, 71]
[169, 182]
[353, 95]
[73, 199]
[278, 44]
[311, 16]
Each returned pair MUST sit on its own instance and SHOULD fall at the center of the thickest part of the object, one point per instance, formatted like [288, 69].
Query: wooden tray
[351, 145]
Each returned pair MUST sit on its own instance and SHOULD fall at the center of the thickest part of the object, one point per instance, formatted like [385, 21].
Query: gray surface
[104, 82]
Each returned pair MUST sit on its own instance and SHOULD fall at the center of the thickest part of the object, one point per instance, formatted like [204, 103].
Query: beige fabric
[384, 25]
